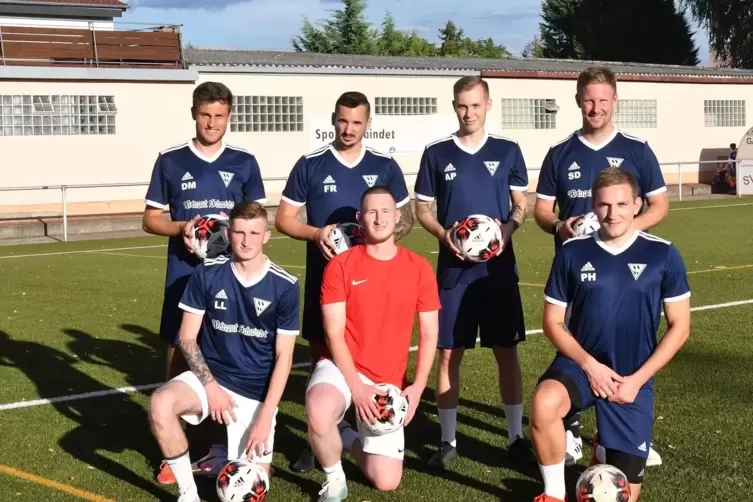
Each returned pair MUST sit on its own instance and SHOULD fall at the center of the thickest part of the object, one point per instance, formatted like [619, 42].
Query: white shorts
[390, 445]
[237, 432]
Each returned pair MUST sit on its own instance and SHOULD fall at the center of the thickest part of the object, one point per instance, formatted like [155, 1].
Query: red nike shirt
[381, 300]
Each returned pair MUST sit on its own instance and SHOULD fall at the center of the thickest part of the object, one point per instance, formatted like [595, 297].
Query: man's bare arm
[658, 207]
[153, 222]
[405, 225]
[189, 331]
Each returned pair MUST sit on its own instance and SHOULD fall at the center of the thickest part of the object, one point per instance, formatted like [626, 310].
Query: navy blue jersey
[466, 182]
[571, 166]
[192, 184]
[616, 295]
[242, 321]
[331, 190]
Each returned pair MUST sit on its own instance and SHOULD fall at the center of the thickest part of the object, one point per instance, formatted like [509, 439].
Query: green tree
[456, 44]
[533, 49]
[645, 31]
[729, 24]
[346, 32]
[394, 42]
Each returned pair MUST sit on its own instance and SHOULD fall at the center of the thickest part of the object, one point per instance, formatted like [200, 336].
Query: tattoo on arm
[405, 224]
[518, 213]
[196, 361]
[564, 326]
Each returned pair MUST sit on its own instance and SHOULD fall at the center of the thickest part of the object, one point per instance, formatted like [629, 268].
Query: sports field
[81, 317]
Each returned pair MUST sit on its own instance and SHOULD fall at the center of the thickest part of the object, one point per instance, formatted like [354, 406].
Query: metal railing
[64, 188]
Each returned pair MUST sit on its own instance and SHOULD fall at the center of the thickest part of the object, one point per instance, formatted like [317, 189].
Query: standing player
[467, 173]
[570, 168]
[614, 284]
[246, 309]
[330, 182]
[370, 295]
[202, 176]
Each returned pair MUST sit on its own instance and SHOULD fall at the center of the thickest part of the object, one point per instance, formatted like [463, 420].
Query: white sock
[514, 416]
[554, 480]
[348, 435]
[448, 419]
[335, 472]
[181, 467]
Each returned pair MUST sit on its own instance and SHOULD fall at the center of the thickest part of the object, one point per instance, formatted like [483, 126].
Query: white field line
[126, 390]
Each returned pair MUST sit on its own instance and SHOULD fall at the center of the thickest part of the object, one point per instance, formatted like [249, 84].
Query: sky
[271, 24]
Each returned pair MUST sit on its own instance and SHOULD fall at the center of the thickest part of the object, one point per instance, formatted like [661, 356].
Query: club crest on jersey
[636, 269]
[615, 162]
[491, 166]
[370, 179]
[226, 177]
[260, 305]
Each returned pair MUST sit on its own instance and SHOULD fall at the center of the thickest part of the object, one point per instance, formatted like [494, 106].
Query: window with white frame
[56, 115]
[405, 106]
[635, 114]
[529, 113]
[724, 112]
[267, 114]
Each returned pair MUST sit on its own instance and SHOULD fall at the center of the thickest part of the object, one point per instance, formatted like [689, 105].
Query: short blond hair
[612, 176]
[468, 83]
[596, 75]
[248, 210]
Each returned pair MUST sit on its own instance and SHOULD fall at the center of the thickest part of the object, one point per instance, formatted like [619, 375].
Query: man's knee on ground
[550, 402]
[384, 480]
[324, 405]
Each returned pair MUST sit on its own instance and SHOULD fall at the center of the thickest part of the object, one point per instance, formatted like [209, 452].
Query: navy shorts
[487, 307]
[625, 428]
[172, 315]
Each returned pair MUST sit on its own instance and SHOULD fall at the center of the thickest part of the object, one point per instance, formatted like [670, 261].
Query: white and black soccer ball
[586, 224]
[478, 237]
[602, 483]
[393, 409]
[345, 236]
[242, 481]
[211, 236]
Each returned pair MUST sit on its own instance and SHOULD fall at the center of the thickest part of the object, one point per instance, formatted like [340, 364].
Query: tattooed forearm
[518, 215]
[405, 225]
[564, 326]
[196, 361]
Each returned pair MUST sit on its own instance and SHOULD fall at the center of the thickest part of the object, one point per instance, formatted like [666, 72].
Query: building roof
[304, 62]
[86, 3]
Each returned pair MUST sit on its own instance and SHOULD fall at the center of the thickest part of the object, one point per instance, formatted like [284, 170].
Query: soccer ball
[478, 238]
[345, 236]
[211, 236]
[602, 483]
[586, 224]
[393, 408]
[242, 481]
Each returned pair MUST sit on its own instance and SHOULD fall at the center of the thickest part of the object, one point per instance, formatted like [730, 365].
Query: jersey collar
[468, 150]
[257, 280]
[600, 145]
[203, 157]
[613, 250]
[349, 165]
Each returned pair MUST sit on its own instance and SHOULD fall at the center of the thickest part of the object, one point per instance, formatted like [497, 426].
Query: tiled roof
[94, 3]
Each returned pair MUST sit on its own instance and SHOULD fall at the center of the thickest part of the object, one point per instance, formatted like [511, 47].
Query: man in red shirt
[370, 295]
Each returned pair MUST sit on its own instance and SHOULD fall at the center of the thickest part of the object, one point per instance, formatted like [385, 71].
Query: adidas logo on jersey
[636, 269]
[449, 172]
[450, 168]
[588, 268]
[491, 167]
[219, 300]
[226, 177]
[370, 179]
[614, 161]
[329, 179]
[186, 177]
[221, 295]
[260, 305]
[329, 185]
[573, 167]
[187, 182]
[587, 273]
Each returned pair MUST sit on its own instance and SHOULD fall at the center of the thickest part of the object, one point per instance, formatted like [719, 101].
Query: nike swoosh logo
[356, 283]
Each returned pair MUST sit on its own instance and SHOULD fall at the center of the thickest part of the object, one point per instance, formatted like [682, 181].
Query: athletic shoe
[446, 454]
[520, 450]
[548, 498]
[306, 460]
[334, 491]
[574, 450]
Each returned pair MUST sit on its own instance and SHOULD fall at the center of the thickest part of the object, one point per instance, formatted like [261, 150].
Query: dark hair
[248, 210]
[378, 189]
[353, 99]
[612, 176]
[732, 146]
[468, 83]
[596, 75]
[212, 92]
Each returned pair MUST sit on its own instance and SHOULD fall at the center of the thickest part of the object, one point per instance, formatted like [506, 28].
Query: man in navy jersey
[614, 284]
[570, 168]
[202, 176]
[468, 173]
[329, 182]
[240, 321]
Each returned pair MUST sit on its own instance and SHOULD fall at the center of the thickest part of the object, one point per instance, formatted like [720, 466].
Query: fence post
[679, 178]
[65, 215]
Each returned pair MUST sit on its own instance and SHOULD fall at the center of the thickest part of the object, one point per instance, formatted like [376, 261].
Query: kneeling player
[615, 283]
[246, 309]
[370, 295]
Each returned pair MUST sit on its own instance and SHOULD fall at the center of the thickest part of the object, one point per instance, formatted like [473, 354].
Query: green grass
[81, 322]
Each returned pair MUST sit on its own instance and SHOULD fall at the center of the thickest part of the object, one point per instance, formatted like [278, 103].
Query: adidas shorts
[390, 445]
[237, 432]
